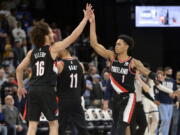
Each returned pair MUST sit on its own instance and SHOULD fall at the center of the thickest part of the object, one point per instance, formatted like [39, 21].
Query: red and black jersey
[69, 81]
[122, 77]
[42, 67]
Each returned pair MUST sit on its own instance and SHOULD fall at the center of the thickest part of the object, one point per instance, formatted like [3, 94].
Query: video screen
[157, 16]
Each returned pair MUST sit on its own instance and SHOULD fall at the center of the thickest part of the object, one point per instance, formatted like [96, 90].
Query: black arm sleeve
[147, 95]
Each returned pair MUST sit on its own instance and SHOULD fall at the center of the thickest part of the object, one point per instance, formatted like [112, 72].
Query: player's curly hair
[38, 33]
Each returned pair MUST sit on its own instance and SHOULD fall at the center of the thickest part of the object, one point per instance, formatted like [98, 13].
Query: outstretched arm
[164, 89]
[19, 73]
[145, 87]
[100, 49]
[140, 67]
[58, 46]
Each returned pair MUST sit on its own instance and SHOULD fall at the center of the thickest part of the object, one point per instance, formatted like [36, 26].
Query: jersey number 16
[39, 68]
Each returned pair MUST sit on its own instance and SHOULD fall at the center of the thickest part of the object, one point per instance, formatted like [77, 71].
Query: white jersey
[138, 90]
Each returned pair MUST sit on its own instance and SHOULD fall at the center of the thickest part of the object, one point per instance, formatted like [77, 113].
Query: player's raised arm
[100, 49]
[19, 73]
[58, 46]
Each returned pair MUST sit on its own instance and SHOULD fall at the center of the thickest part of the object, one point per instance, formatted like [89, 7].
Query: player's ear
[46, 38]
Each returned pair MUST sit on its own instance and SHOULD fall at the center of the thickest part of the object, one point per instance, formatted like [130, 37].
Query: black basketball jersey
[42, 67]
[69, 81]
[122, 78]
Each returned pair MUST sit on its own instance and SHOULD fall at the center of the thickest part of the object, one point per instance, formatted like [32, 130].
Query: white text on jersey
[119, 70]
[39, 54]
[72, 67]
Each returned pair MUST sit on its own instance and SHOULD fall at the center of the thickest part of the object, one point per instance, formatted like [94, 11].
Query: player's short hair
[128, 40]
[38, 33]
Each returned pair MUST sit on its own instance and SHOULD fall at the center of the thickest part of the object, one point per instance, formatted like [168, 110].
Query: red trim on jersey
[25, 112]
[122, 61]
[130, 69]
[118, 85]
[132, 109]
[55, 63]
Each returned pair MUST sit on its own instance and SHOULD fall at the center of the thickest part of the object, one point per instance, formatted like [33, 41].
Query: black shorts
[123, 109]
[71, 112]
[42, 99]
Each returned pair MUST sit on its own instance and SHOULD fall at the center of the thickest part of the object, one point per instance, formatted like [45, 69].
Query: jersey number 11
[74, 78]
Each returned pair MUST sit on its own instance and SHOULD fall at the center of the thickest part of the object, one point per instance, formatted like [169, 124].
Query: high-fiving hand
[88, 11]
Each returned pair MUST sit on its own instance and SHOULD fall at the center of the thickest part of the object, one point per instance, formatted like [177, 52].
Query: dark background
[157, 46]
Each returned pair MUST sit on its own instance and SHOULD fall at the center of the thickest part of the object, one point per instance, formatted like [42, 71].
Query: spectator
[107, 68]
[89, 86]
[171, 83]
[27, 76]
[3, 34]
[8, 87]
[3, 127]
[12, 117]
[29, 44]
[176, 110]
[8, 55]
[26, 21]
[96, 93]
[105, 81]
[11, 18]
[93, 70]
[7, 69]
[18, 53]
[18, 33]
[2, 77]
[160, 70]
[107, 99]
[166, 104]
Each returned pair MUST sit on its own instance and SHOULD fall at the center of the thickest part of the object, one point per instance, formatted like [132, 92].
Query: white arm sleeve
[164, 89]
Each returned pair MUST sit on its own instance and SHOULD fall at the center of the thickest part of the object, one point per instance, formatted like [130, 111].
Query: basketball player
[41, 97]
[122, 77]
[70, 83]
